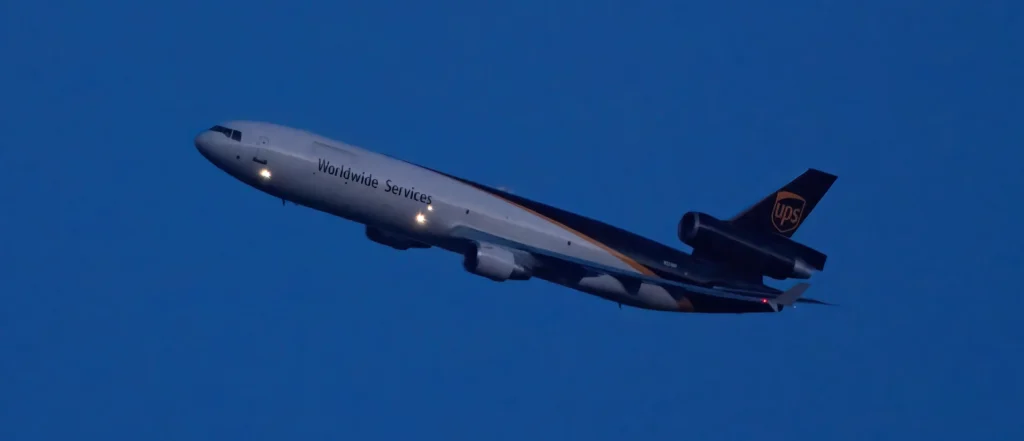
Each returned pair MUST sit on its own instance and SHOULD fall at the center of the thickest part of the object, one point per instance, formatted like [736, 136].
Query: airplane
[506, 237]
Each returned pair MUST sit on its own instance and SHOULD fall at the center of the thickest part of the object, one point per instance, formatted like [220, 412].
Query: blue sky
[146, 295]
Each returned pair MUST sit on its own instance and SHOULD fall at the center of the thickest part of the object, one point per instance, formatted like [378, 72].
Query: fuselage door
[285, 171]
[261, 153]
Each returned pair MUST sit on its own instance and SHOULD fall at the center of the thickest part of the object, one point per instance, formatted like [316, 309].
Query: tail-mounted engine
[767, 254]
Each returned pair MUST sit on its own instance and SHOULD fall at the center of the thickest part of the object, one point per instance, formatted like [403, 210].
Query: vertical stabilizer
[782, 211]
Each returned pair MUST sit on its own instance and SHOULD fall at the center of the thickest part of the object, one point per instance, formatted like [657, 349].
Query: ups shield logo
[788, 211]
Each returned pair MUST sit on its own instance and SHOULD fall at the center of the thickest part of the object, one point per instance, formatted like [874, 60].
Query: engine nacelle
[495, 263]
[392, 240]
[768, 254]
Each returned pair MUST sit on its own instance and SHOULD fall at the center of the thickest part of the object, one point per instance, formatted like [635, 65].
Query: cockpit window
[230, 133]
[226, 131]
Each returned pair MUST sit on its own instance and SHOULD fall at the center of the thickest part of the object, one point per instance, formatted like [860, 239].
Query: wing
[559, 260]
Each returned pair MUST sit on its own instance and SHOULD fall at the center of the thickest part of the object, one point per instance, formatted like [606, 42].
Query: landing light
[265, 174]
[430, 208]
[420, 218]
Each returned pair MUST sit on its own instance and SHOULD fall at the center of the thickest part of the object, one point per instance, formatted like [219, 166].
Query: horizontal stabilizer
[789, 297]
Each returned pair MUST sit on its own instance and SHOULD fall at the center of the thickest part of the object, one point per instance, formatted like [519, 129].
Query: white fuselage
[408, 200]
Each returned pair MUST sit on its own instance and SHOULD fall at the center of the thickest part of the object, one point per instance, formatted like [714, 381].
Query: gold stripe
[629, 261]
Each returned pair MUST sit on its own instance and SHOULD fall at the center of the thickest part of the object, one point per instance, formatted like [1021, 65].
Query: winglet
[789, 297]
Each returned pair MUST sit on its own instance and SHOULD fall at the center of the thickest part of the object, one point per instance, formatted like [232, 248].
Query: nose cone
[205, 143]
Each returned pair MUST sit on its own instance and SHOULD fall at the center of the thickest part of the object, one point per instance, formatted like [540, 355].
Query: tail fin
[783, 211]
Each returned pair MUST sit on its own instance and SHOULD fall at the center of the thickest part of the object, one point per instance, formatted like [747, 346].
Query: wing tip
[815, 302]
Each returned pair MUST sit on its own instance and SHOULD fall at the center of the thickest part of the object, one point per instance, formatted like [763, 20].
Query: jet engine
[767, 254]
[392, 240]
[495, 263]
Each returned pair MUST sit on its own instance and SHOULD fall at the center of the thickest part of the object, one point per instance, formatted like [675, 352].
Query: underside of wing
[563, 262]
